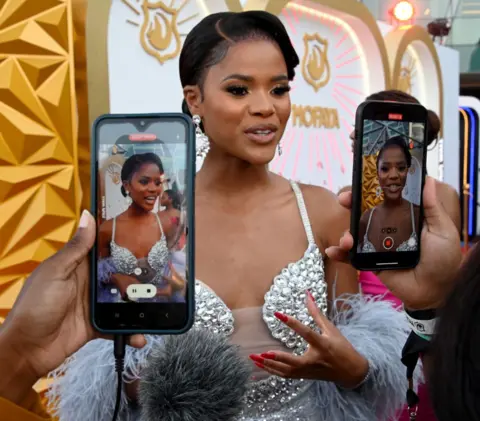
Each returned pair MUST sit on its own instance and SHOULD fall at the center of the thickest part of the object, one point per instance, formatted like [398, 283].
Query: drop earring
[279, 149]
[202, 143]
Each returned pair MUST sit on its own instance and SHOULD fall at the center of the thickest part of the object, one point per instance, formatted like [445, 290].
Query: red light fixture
[403, 12]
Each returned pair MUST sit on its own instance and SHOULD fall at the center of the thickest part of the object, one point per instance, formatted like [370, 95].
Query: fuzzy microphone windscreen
[197, 376]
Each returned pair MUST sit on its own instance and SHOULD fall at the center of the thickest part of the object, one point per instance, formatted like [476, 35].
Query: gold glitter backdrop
[371, 193]
[40, 192]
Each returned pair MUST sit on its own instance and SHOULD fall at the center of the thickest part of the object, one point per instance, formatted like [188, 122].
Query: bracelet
[422, 322]
[358, 386]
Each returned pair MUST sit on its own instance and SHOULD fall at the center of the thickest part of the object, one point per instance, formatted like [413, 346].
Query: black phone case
[356, 212]
[190, 195]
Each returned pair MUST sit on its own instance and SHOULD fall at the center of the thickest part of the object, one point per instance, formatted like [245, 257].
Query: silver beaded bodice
[127, 263]
[275, 398]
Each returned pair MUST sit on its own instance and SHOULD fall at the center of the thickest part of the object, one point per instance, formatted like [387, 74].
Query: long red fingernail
[281, 316]
[256, 358]
[310, 295]
[268, 355]
[259, 365]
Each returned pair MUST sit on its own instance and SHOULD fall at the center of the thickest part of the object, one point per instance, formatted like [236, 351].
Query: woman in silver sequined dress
[320, 351]
[135, 242]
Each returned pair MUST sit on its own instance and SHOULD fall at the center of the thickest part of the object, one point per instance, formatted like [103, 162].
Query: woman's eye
[237, 90]
[144, 182]
[281, 90]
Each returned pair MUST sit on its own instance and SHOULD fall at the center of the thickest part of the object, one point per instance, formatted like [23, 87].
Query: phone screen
[392, 160]
[142, 206]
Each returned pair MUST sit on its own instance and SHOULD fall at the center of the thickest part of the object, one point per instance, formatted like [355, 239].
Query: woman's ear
[193, 98]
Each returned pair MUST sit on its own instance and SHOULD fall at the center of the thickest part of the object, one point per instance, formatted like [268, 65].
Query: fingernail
[259, 365]
[268, 355]
[256, 358]
[281, 316]
[84, 219]
[310, 295]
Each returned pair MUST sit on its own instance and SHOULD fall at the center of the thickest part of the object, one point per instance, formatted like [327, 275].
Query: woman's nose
[261, 105]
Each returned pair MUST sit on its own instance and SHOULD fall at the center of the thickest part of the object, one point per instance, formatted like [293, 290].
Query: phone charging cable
[119, 345]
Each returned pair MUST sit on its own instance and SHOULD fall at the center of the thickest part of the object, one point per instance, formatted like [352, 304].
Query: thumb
[432, 210]
[75, 251]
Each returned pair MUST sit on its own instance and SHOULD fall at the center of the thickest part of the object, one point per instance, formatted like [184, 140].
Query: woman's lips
[150, 200]
[393, 188]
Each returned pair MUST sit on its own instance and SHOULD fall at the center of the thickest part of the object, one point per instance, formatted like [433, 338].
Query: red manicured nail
[259, 365]
[268, 355]
[281, 316]
[256, 358]
[310, 295]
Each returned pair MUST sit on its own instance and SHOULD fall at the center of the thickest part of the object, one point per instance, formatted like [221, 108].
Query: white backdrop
[315, 155]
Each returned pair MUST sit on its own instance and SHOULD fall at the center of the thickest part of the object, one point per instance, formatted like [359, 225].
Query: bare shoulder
[329, 219]
[106, 228]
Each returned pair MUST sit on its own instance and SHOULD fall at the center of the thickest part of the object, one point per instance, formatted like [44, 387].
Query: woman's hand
[176, 280]
[51, 317]
[430, 281]
[329, 355]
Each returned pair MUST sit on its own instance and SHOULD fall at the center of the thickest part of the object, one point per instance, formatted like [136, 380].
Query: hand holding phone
[388, 178]
[142, 208]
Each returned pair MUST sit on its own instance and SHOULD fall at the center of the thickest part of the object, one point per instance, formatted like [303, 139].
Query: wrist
[359, 374]
[17, 378]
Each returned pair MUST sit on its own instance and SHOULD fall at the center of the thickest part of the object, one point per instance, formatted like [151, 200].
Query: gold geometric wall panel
[371, 192]
[39, 184]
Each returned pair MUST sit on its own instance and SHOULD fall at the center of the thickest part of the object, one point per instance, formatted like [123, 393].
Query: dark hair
[174, 198]
[455, 370]
[208, 42]
[396, 141]
[133, 164]
[434, 123]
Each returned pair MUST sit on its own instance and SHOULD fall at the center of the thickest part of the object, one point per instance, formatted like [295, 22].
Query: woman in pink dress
[371, 284]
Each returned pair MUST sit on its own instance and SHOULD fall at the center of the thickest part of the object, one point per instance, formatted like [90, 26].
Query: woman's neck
[224, 173]
[392, 203]
[135, 211]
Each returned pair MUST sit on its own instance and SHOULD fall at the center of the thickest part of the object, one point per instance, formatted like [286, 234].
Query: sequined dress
[272, 398]
[149, 269]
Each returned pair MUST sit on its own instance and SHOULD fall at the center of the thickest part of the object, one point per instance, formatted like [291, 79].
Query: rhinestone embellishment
[288, 295]
[211, 312]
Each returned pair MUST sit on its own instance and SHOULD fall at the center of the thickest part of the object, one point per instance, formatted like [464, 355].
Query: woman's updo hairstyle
[208, 43]
[134, 163]
[434, 123]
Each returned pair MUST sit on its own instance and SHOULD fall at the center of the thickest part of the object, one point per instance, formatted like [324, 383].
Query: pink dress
[372, 286]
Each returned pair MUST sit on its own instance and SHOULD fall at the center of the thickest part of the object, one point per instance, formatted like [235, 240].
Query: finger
[337, 254]
[273, 364]
[75, 251]
[318, 317]
[137, 341]
[345, 199]
[269, 370]
[436, 218]
[283, 358]
[305, 332]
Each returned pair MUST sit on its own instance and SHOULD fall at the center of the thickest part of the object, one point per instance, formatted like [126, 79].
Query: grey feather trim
[84, 385]
[378, 331]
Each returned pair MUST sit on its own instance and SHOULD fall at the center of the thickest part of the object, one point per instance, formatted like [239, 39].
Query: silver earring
[202, 144]
[128, 199]
[279, 149]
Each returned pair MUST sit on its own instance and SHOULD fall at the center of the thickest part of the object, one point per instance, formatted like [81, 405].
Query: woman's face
[145, 186]
[165, 199]
[392, 172]
[246, 101]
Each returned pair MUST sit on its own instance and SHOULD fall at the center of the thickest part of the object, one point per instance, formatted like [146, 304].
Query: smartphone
[388, 177]
[142, 263]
